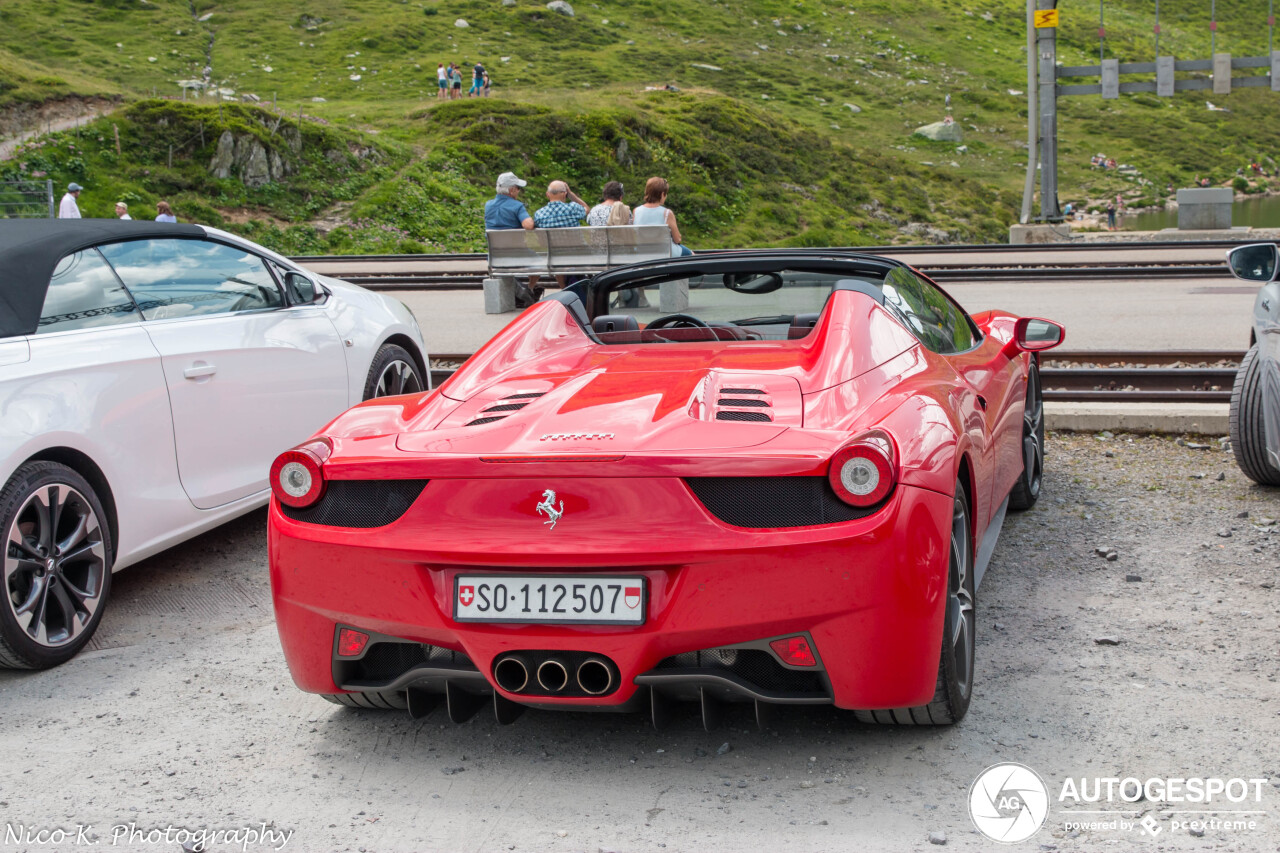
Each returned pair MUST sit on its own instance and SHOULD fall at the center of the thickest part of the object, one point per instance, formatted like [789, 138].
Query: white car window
[183, 278]
[85, 293]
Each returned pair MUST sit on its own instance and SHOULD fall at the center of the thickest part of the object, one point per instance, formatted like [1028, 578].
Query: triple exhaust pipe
[515, 673]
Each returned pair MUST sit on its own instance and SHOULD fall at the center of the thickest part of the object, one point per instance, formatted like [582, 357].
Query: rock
[450, 771]
[1225, 533]
[853, 107]
[563, 833]
[706, 67]
[999, 626]
[723, 749]
[806, 784]
[1263, 521]
[461, 24]
[1112, 556]
[223, 156]
[1244, 514]
[1109, 454]
[1107, 641]
[560, 6]
[1192, 446]
[940, 131]
[1133, 578]
[354, 78]
[508, 2]
[1222, 475]
[937, 838]
[1196, 831]
[252, 161]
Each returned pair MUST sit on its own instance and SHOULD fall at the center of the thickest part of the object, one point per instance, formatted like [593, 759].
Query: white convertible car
[149, 374]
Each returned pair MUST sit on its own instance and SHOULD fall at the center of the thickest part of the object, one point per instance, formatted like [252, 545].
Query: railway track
[1079, 377]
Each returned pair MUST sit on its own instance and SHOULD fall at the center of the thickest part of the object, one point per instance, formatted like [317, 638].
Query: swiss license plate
[576, 599]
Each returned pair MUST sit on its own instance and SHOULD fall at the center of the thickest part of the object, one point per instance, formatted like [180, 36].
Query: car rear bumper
[868, 593]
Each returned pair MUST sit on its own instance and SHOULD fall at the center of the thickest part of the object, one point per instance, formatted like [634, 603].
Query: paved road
[1209, 314]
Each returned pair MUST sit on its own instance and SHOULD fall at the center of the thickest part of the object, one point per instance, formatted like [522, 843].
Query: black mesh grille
[732, 401]
[774, 501]
[524, 396]
[742, 416]
[741, 391]
[506, 407]
[359, 503]
[479, 421]
[388, 661]
[754, 666]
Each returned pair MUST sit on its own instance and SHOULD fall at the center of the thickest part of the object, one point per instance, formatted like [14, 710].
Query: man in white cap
[505, 212]
[67, 208]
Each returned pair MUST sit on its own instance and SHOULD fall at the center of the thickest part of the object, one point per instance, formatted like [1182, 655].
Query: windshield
[775, 305]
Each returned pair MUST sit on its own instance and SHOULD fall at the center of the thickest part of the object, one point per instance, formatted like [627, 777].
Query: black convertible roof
[30, 249]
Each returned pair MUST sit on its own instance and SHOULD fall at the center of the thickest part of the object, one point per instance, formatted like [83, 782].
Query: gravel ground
[183, 715]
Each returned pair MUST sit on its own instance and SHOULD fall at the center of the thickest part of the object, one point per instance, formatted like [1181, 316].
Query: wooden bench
[517, 253]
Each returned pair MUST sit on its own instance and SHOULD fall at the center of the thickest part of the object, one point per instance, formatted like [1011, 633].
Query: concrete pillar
[499, 295]
[1203, 209]
[673, 296]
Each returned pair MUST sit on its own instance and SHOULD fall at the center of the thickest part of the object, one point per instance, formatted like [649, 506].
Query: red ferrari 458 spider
[781, 487]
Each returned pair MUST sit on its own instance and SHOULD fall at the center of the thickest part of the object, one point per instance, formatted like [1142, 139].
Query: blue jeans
[682, 251]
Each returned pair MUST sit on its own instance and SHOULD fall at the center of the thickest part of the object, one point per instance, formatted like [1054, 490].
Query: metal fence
[26, 199]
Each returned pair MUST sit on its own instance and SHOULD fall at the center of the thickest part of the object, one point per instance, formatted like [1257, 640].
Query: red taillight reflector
[794, 651]
[351, 642]
[862, 472]
[557, 458]
[296, 476]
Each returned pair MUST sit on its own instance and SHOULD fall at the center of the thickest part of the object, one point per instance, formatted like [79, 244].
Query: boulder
[560, 6]
[252, 162]
[224, 156]
[941, 131]
[461, 24]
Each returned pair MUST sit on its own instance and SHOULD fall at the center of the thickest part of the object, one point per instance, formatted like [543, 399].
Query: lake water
[1261, 212]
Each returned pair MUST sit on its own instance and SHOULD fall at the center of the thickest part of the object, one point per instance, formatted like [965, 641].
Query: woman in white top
[652, 212]
[611, 211]
[164, 213]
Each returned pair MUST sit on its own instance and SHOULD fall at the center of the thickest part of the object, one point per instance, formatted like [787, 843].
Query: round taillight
[861, 473]
[297, 478]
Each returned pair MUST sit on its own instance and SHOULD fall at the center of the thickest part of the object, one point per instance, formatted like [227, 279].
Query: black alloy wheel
[1027, 490]
[393, 372]
[57, 565]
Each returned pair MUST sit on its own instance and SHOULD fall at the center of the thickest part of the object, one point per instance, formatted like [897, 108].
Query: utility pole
[1029, 185]
[1047, 54]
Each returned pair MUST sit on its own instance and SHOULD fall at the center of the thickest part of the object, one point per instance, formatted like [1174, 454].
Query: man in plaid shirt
[558, 213]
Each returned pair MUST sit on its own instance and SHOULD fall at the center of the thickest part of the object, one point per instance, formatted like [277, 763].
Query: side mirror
[1253, 263]
[301, 288]
[1032, 334]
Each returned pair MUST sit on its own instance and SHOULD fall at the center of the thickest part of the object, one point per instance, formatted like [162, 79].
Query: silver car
[1255, 399]
[149, 374]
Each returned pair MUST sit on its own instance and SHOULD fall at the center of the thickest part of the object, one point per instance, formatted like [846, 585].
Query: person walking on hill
[653, 212]
[611, 211]
[442, 82]
[122, 211]
[477, 81]
[1111, 216]
[164, 213]
[456, 81]
[67, 208]
[487, 84]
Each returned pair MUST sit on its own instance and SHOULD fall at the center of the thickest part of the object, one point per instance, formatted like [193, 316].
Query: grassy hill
[762, 143]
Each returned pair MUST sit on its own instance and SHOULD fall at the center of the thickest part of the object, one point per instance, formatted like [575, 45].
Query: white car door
[248, 375]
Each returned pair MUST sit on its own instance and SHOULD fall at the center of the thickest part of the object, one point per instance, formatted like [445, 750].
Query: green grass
[762, 151]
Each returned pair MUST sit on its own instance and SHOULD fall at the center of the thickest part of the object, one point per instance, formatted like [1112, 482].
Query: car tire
[1026, 491]
[54, 598]
[1248, 431]
[954, 687]
[393, 700]
[393, 372]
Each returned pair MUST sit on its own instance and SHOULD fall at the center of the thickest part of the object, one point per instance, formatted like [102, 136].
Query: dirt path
[52, 117]
[184, 715]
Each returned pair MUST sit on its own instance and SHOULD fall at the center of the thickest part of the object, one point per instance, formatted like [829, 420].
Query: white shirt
[126, 216]
[440, 73]
[68, 209]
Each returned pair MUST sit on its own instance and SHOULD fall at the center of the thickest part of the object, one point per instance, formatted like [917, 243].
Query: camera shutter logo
[1008, 802]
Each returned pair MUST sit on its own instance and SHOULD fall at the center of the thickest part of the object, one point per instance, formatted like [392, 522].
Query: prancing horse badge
[548, 505]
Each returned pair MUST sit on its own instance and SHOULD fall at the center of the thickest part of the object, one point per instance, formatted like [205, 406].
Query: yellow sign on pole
[1046, 18]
